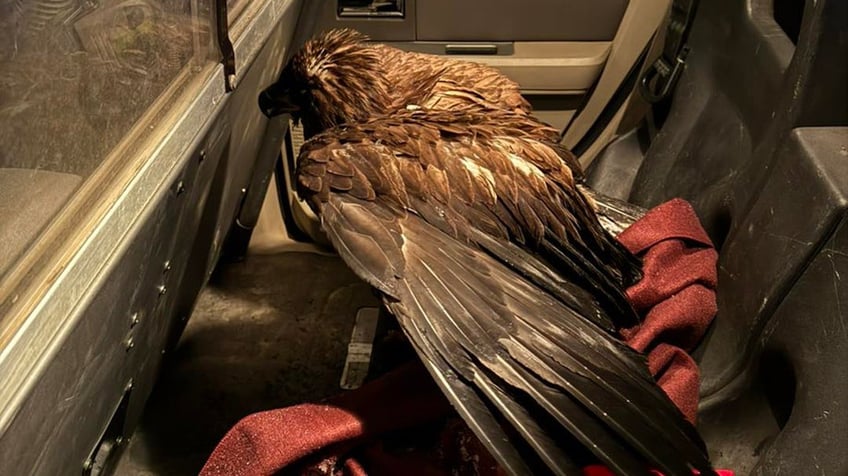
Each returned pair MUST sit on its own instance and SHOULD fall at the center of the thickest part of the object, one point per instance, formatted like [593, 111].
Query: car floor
[267, 332]
[272, 331]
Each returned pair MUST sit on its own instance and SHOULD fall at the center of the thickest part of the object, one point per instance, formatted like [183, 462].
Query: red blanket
[676, 297]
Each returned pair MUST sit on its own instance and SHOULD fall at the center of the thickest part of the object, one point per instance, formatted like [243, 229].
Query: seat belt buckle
[660, 78]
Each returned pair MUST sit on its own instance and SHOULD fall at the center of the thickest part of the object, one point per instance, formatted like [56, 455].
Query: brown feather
[345, 78]
[342, 168]
[486, 160]
[315, 169]
[310, 183]
[340, 184]
[362, 189]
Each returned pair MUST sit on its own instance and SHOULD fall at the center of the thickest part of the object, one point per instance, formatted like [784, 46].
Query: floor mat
[269, 332]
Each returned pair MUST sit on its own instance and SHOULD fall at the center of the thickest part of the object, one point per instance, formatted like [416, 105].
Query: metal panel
[115, 339]
[234, 175]
[35, 343]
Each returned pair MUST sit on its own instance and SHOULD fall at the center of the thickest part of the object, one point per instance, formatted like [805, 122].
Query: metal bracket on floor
[359, 350]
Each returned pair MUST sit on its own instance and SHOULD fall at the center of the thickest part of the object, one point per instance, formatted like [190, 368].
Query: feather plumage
[510, 334]
[436, 187]
[344, 77]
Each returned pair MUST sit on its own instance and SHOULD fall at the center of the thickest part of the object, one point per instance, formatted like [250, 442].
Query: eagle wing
[442, 220]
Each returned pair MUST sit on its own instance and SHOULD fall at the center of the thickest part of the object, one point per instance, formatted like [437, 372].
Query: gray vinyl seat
[759, 150]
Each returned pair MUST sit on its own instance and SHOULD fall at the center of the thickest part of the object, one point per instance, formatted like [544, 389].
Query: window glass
[75, 77]
[235, 8]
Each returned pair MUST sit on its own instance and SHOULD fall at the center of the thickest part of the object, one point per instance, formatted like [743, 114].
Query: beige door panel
[558, 118]
[550, 66]
[553, 107]
[511, 20]
[553, 75]
[641, 20]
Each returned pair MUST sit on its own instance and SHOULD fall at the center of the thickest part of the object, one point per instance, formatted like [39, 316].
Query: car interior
[160, 279]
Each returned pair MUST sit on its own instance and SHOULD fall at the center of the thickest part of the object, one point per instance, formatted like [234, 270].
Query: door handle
[471, 49]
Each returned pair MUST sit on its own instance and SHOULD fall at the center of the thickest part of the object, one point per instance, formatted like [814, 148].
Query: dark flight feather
[505, 282]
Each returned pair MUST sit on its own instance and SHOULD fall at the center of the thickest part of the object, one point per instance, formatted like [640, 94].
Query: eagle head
[335, 78]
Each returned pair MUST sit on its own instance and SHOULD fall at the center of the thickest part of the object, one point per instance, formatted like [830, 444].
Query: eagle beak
[275, 101]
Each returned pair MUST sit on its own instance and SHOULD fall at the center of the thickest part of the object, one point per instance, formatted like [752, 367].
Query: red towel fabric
[341, 437]
[596, 470]
[676, 296]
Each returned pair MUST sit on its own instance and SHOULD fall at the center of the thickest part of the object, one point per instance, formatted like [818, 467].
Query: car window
[235, 9]
[76, 78]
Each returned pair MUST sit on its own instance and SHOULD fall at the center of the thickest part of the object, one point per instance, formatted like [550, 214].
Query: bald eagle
[468, 222]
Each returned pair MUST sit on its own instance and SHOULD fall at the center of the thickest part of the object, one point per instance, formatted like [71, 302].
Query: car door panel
[540, 67]
[507, 20]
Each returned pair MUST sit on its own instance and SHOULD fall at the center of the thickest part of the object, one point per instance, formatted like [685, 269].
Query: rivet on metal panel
[134, 320]
[129, 343]
[202, 156]
[180, 187]
[162, 289]
[166, 267]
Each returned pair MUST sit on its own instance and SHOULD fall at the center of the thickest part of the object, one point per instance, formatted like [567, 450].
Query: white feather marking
[483, 173]
[318, 69]
[525, 167]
